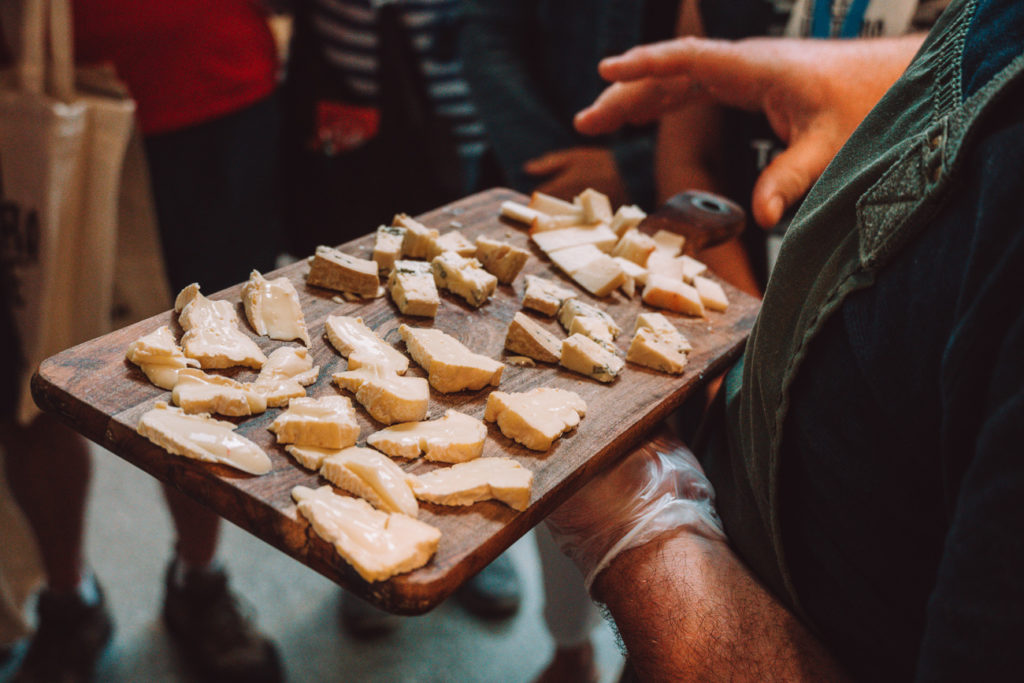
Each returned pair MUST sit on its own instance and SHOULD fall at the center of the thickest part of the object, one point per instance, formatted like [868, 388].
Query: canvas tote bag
[61, 155]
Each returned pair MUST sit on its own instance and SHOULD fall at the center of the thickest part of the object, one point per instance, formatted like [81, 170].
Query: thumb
[788, 178]
[548, 163]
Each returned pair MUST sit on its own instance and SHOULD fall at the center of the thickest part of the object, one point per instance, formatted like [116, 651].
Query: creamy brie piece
[273, 308]
[412, 288]
[456, 437]
[212, 336]
[501, 259]
[202, 438]
[501, 479]
[377, 544]
[418, 237]
[198, 392]
[333, 269]
[527, 337]
[675, 295]
[584, 355]
[285, 375]
[544, 296]
[537, 417]
[326, 422]
[450, 365]
[373, 477]
[388, 397]
[387, 248]
[463, 276]
[159, 357]
[311, 457]
[361, 346]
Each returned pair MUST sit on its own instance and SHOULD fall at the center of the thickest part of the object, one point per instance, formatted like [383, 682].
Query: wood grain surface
[99, 393]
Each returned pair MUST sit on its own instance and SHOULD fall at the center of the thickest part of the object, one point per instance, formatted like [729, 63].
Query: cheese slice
[377, 544]
[273, 308]
[669, 242]
[412, 288]
[537, 417]
[657, 344]
[501, 259]
[675, 295]
[574, 259]
[388, 397]
[627, 216]
[711, 293]
[574, 308]
[198, 392]
[553, 206]
[212, 336]
[285, 375]
[311, 457]
[661, 263]
[584, 355]
[361, 346]
[450, 365]
[326, 422]
[387, 248]
[659, 323]
[546, 223]
[202, 438]
[692, 268]
[634, 275]
[601, 276]
[418, 237]
[342, 272]
[373, 477]
[159, 357]
[456, 437]
[634, 246]
[597, 208]
[519, 213]
[463, 276]
[451, 241]
[501, 479]
[599, 235]
[527, 337]
[544, 296]
[594, 328]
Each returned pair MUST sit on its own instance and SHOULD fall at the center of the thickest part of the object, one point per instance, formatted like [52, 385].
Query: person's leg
[198, 529]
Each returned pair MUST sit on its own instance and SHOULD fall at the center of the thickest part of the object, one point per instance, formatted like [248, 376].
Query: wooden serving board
[99, 393]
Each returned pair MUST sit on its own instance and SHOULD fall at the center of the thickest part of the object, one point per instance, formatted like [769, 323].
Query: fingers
[789, 176]
[636, 103]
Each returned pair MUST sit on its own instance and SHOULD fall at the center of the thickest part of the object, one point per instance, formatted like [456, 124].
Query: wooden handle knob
[705, 219]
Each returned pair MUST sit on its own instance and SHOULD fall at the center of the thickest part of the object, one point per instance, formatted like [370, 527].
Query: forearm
[688, 609]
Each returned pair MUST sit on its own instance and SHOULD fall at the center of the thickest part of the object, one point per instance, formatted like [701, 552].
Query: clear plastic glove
[659, 487]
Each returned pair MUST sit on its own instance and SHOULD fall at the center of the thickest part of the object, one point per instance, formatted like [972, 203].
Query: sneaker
[70, 638]
[213, 635]
[360, 619]
[494, 593]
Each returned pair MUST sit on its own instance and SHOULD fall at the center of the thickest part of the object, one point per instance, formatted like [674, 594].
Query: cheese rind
[388, 397]
[212, 336]
[501, 479]
[537, 417]
[544, 296]
[377, 544]
[418, 237]
[412, 288]
[388, 246]
[454, 438]
[501, 259]
[202, 438]
[333, 269]
[711, 293]
[527, 337]
[273, 309]
[450, 365]
[326, 422]
[198, 392]
[159, 357]
[463, 276]
[584, 355]
[372, 476]
[361, 346]
[675, 295]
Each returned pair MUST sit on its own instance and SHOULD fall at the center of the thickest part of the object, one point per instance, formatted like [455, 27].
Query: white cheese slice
[159, 357]
[357, 342]
[412, 288]
[527, 337]
[711, 293]
[285, 375]
[311, 457]
[661, 263]
[418, 237]
[388, 246]
[450, 365]
[675, 295]
[202, 438]
[501, 479]
[326, 422]
[373, 477]
[597, 208]
[451, 241]
[692, 268]
[537, 417]
[501, 259]
[342, 272]
[599, 235]
[463, 276]
[553, 206]
[669, 242]
[544, 295]
[519, 213]
[198, 392]
[627, 216]
[273, 308]
[574, 308]
[389, 398]
[573, 259]
[377, 544]
[634, 246]
[212, 336]
[456, 437]
[600, 277]
[584, 355]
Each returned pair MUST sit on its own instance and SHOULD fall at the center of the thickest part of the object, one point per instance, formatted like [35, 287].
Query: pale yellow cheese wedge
[711, 293]
[501, 259]
[634, 246]
[692, 268]
[311, 457]
[661, 263]
[635, 274]
[546, 223]
[597, 208]
[599, 235]
[669, 242]
[387, 248]
[273, 308]
[527, 337]
[456, 437]
[159, 357]
[198, 392]
[451, 241]
[574, 308]
[553, 206]
[357, 342]
[675, 295]
[537, 417]
[544, 296]
[601, 276]
[584, 355]
[389, 398]
[501, 479]
[202, 438]
[212, 336]
[377, 544]
[450, 365]
[412, 288]
[520, 213]
[333, 269]
[418, 237]
[285, 375]
[464, 277]
[626, 217]
[574, 259]
[326, 422]
[373, 477]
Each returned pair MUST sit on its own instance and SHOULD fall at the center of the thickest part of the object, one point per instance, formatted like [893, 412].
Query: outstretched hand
[813, 92]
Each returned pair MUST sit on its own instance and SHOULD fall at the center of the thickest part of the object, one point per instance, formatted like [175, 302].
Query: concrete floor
[129, 543]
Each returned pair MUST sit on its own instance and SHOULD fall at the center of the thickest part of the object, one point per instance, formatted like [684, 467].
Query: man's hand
[570, 171]
[814, 93]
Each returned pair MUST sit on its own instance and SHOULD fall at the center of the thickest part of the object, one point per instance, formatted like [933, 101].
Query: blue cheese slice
[361, 346]
[388, 397]
[464, 277]
[584, 355]
[201, 437]
[657, 344]
[537, 417]
[326, 422]
[574, 308]
[387, 247]
[377, 544]
[454, 438]
[159, 357]
[333, 269]
[373, 477]
[418, 238]
[273, 308]
[412, 288]
[212, 335]
[450, 365]
[544, 296]
[526, 337]
[501, 479]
